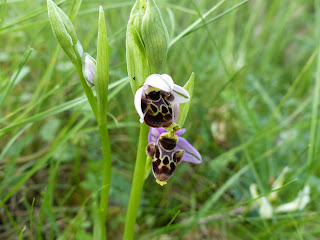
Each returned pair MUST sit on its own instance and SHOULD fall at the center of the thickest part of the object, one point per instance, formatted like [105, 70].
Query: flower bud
[64, 31]
[146, 41]
[137, 64]
[155, 37]
[88, 68]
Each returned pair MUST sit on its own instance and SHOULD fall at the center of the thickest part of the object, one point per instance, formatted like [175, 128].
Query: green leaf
[184, 107]
[101, 78]
[101, 81]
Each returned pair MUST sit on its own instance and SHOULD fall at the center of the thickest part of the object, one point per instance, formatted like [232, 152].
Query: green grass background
[257, 72]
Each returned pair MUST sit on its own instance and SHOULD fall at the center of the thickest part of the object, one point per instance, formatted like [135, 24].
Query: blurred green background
[255, 111]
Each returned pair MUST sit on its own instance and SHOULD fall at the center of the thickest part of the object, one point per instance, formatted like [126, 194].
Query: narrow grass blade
[11, 82]
[218, 16]
[3, 11]
[11, 142]
[188, 29]
[43, 160]
[50, 112]
[314, 116]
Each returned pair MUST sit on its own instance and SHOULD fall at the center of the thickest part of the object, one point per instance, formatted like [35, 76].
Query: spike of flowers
[153, 101]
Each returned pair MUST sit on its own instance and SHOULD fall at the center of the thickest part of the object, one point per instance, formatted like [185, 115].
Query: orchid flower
[154, 100]
[167, 150]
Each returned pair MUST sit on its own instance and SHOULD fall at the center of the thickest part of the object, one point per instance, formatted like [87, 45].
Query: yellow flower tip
[161, 182]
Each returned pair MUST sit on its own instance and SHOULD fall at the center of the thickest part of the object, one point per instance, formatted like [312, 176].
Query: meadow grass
[254, 111]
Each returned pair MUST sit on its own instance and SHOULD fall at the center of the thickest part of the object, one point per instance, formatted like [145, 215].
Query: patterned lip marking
[164, 157]
[158, 111]
[168, 143]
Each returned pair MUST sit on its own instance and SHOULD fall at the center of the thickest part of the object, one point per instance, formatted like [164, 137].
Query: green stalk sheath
[101, 80]
[106, 176]
[137, 183]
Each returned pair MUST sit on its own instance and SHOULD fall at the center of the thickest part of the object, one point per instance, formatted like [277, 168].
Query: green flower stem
[87, 90]
[137, 183]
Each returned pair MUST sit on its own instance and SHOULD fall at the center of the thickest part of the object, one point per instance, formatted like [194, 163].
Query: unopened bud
[147, 42]
[64, 31]
[155, 37]
[137, 63]
[88, 69]
[79, 49]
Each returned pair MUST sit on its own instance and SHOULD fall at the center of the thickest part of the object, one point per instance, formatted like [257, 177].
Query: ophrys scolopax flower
[154, 100]
[167, 150]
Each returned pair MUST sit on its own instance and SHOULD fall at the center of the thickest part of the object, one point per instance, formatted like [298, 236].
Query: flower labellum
[167, 150]
[153, 101]
[165, 158]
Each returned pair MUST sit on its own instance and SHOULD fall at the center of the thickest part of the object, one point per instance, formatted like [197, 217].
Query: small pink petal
[154, 134]
[180, 132]
[190, 153]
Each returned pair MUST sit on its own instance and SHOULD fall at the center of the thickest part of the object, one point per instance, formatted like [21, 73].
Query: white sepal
[180, 95]
[137, 103]
[163, 82]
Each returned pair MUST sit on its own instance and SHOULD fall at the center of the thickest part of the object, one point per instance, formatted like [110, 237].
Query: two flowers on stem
[157, 103]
